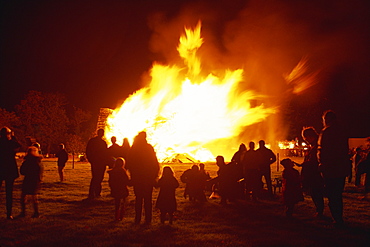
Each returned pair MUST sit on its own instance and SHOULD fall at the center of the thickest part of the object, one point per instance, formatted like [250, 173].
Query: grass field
[68, 221]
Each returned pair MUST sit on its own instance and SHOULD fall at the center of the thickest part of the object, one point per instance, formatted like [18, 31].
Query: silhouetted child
[118, 182]
[292, 190]
[62, 156]
[166, 201]
[32, 170]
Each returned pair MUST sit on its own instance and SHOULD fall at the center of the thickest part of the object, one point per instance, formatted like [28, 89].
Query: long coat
[166, 201]
[8, 164]
[97, 151]
[118, 182]
[142, 164]
[32, 170]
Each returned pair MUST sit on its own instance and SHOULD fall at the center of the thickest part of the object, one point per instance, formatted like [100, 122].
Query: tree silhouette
[43, 116]
[11, 120]
[79, 123]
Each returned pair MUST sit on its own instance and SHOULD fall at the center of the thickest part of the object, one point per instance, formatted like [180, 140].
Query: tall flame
[184, 112]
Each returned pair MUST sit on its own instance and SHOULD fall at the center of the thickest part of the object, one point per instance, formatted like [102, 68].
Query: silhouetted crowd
[326, 166]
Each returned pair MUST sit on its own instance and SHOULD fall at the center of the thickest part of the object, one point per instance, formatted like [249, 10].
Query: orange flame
[184, 113]
[300, 79]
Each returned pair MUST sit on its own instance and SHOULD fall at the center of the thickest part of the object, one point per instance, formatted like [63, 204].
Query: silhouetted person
[195, 182]
[333, 158]
[312, 181]
[367, 178]
[251, 171]
[97, 155]
[8, 166]
[350, 167]
[118, 182]
[365, 166]
[62, 156]
[227, 181]
[188, 177]
[125, 148]
[292, 191]
[32, 170]
[359, 165]
[265, 158]
[166, 201]
[143, 166]
[204, 176]
[238, 158]
[38, 146]
[114, 150]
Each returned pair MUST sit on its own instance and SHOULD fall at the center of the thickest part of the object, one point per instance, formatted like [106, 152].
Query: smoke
[288, 49]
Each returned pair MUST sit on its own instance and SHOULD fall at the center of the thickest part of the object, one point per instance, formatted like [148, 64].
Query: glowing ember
[183, 111]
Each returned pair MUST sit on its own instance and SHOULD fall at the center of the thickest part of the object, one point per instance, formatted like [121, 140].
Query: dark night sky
[96, 52]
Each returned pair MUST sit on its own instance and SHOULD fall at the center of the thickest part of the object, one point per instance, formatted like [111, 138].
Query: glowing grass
[67, 221]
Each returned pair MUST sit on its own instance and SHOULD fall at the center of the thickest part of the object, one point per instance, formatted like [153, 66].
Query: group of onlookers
[326, 166]
[324, 170]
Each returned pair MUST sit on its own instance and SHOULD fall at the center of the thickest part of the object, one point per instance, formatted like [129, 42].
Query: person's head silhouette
[119, 163]
[113, 139]
[329, 118]
[252, 145]
[167, 171]
[100, 133]
[261, 143]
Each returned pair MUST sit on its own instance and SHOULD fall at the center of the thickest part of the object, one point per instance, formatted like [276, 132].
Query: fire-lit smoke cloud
[257, 39]
[185, 109]
[285, 49]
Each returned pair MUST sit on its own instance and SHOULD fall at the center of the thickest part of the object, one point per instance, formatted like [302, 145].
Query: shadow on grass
[264, 224]
[245, 223]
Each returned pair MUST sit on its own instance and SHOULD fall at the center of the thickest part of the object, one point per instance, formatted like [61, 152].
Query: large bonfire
[185, 110]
